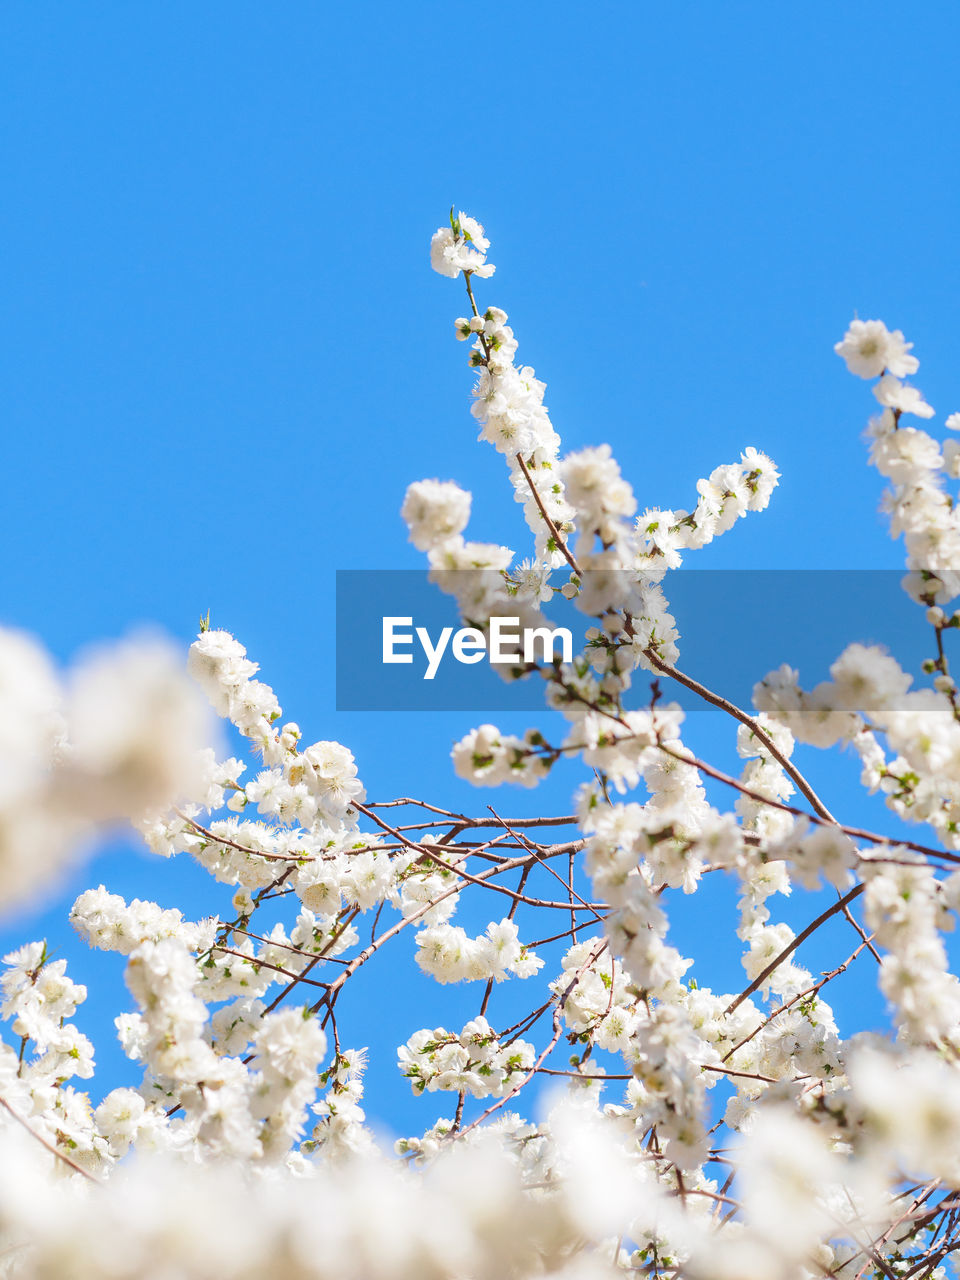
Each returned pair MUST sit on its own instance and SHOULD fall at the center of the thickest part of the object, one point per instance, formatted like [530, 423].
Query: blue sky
[225, 355]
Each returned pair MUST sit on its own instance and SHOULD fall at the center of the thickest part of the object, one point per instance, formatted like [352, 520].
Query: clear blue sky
[225, 355]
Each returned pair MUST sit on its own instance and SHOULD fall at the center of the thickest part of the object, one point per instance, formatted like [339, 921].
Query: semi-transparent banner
[409, 640]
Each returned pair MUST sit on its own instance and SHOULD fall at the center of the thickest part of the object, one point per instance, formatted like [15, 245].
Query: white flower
[473, 231]
[220, 665]
[595, 487]
[482, 757]
[118, 1117]
[893, 393]
[290, 1045]
[461, 247]
[533, 581]
[867, 679]
[868, 347]
[435, 511]
[137, 729]
[761, 477]
[903, 456]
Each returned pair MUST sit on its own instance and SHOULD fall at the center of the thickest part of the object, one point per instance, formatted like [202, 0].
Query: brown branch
[792, 946]
[715, 700]
[554, 531]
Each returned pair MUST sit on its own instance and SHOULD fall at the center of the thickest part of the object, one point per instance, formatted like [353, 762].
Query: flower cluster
[473, 1062]
[449, 955]
[123, 735]
[461, 247]
[693, 1132]
[486, 757]
[920, 510]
